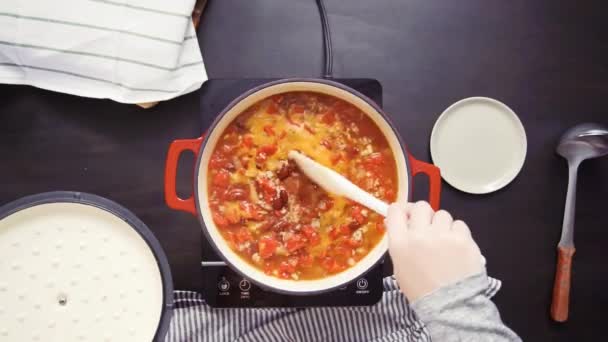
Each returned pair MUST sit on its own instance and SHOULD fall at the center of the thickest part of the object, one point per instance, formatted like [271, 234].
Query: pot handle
[176, 148]
[434, 175]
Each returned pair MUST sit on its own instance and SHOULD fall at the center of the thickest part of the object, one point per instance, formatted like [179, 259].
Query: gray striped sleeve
[463, 312]
[391, 320]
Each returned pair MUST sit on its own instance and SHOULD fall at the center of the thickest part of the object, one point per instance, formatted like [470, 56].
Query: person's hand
[429, 249]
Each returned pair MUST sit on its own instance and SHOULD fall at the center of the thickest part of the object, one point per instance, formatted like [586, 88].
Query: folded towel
[130, 51]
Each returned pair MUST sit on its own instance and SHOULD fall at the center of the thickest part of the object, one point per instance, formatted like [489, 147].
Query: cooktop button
[223, 285]
[245, 285]
[362, 284]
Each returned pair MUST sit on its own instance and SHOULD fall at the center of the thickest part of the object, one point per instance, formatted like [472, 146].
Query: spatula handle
[561, 287]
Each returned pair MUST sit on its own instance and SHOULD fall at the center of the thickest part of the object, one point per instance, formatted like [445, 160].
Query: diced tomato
[344, 230]
[245, 160]
[268, 129]
[267, 222]
[251, 211]
[221, 178]
[268, 190]
[295, 242]
[354, 243]
[339, 231]
[217, 162]
[264, 152]
[329, 117]
[329, 203]
[268, 149]
[305, 260]
[277, 98]
[375, 158]
[267, 246]
[343, 248]
[229, 236]
[327, 263]
[380, 227]
[331, 265]
[312, 235]
[248, 141]
[335, 158]
[293, 261]
[243, 235]
[297, 109]
[227, 148]
[357, 215]
[272, 108]
[219, 219]
[286, 268]
[352, 151]
[389, 194]
[341, 106]
[268, 268]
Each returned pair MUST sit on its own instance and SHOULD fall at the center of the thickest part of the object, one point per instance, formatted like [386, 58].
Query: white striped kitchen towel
[392, 319]
[130, 51]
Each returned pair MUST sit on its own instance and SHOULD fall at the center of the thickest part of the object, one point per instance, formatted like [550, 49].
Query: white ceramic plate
[479, 144]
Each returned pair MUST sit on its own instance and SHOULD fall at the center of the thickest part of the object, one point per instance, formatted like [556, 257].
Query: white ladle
[337, 184]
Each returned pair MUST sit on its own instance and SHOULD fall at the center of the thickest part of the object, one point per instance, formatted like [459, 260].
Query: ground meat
[270, 222]
[280, 225]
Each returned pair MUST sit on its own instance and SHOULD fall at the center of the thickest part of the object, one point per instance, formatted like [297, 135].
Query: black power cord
[327, 72]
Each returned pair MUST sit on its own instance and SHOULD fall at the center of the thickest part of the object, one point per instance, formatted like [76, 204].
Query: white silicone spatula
[337, 184]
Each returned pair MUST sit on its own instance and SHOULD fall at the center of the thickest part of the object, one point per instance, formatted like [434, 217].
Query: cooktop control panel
[224, 287]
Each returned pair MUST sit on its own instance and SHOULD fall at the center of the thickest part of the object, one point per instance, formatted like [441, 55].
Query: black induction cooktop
[222, 286]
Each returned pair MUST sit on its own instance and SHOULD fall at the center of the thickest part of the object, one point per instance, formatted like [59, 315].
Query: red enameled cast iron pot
[407, 167]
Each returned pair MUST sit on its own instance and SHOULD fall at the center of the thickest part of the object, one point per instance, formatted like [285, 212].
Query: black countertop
[547, 60]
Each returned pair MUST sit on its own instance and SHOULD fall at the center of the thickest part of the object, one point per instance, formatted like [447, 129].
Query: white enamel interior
[106, 271]
[479, 144]
[287, 285]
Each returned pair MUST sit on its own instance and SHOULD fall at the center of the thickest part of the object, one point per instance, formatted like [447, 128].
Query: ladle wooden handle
[561, 287]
